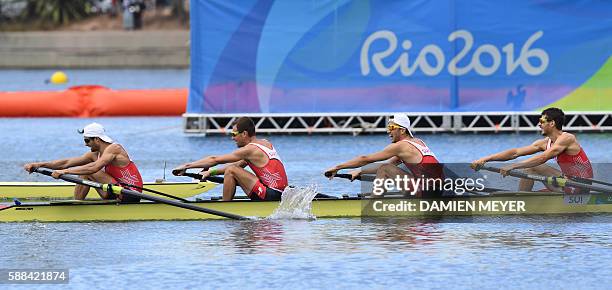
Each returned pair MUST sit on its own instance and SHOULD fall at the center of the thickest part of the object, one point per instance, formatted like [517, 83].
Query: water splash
[296, 203]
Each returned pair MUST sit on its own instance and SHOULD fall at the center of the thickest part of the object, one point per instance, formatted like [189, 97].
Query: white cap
[96, 130]
[402, 120]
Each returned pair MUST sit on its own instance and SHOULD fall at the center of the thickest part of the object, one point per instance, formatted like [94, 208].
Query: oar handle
[344, 175]
[488, 168]
[44, 171]
[215, 179]
[349, 177]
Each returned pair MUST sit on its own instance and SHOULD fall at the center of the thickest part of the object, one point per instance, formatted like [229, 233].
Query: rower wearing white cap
[417, 159]
[107, 162]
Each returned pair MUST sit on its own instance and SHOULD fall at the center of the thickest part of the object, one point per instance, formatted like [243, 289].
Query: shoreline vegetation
[88, 15]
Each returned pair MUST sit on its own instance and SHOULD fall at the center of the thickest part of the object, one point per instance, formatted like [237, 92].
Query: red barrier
[93, 101]
[39, 104]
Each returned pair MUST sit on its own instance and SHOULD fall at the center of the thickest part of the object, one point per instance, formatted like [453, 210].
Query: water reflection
[379, 235]
[406, 233]
[249, 236]
[526, 240]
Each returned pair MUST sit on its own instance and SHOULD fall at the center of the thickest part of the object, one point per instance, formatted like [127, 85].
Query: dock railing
[422, 122]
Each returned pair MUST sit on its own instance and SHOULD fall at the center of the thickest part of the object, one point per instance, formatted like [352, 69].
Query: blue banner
[392, 56]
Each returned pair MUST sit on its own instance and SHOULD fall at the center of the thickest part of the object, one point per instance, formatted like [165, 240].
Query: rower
[406, 156]
[268, 179]
[561, 146]
[107, 162]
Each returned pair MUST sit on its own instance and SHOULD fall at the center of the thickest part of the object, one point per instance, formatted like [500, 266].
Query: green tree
[55, 12]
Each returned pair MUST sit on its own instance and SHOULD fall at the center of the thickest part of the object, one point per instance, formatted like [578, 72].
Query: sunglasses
[392, 127]
[87, 140]
[235, 133]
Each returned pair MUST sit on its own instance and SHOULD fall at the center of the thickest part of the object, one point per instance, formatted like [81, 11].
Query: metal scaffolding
[428, 122]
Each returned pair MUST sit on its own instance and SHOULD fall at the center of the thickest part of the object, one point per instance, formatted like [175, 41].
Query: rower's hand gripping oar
[350, 177]
[216, 179]
[550, 180]
[120, 190]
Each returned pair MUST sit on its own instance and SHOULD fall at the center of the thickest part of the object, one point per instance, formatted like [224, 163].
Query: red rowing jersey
[128, 174]
[573, 165]
[427, 157]
[429, 167]
[272, 174]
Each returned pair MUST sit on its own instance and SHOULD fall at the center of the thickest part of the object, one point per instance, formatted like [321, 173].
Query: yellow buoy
[58, 77]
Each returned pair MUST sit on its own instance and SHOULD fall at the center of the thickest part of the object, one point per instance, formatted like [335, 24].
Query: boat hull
[65, 190]
[534, 204]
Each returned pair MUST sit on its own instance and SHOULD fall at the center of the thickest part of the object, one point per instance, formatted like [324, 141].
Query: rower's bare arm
[512, 154]
[372, 168]
[61, 163]
[237, 157]
[221, 171]
[369, 169]
[107, 157]
[362, 160]
[81, 160]
[211, 161]
[562, 143]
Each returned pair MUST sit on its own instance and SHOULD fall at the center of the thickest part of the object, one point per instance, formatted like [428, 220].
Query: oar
[153, 191]
[348, 176]
[586, 180]
[219, 179]
[550, 180]
[215, 179]
[120, 190]
[200, 185]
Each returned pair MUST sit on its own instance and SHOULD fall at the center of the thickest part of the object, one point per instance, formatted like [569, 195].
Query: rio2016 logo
[433, 69]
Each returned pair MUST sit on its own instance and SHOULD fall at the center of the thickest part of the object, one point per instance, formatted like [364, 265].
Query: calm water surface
[523, 252]
[34, 80]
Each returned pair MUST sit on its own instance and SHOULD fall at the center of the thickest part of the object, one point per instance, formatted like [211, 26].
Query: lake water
[34, 80]
[571, 252]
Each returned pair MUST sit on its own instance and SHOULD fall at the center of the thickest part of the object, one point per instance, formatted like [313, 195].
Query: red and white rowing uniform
[573, 165]
[429, 167]
[128, 174]
[272, 175]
